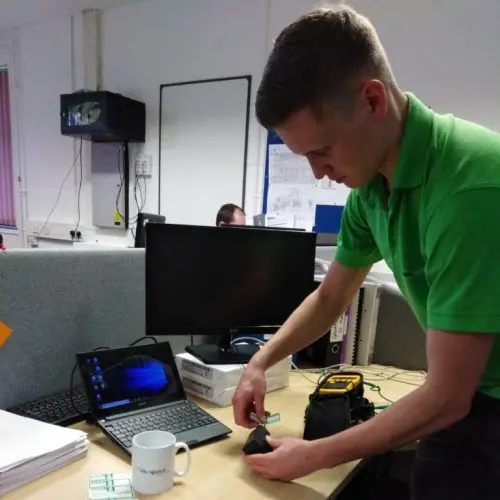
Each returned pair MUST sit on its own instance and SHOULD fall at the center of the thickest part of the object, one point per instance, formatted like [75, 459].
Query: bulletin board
[291, 191]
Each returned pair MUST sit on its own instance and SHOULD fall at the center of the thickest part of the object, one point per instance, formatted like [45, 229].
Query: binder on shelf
[351, 339]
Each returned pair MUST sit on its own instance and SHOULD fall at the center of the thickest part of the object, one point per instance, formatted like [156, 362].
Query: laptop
[137, 389]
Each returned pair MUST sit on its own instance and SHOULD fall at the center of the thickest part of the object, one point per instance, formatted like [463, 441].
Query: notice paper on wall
[285, 167]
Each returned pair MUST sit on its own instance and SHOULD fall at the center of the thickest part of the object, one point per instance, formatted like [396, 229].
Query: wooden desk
[217, 469]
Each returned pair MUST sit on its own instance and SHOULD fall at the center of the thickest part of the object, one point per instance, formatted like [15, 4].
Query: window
[7, 202]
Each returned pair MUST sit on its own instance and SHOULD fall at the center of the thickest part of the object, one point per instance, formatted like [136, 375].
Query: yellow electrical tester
[339, 383]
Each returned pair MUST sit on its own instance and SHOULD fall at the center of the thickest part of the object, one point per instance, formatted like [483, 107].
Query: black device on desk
[217, 281]
[257, 442]
[57, 409]
[136, 389]
[140, 229]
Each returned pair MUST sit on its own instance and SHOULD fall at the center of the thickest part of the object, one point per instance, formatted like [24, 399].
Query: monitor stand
[212, 354]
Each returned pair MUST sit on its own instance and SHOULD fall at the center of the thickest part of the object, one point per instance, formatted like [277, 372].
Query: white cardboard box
[224, 376]
[221, 396]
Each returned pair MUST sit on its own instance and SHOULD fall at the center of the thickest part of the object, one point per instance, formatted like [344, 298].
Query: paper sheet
[24, 439]
[334, 194]
[286, 167]
[290, 199]
[26, 473]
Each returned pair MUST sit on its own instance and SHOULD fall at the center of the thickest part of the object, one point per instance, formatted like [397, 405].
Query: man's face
[239, 218]
[347, 146]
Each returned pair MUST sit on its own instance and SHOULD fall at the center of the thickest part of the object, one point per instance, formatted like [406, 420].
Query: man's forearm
[308, 323]
[422, 412]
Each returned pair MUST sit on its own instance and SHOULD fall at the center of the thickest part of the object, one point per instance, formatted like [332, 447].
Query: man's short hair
[226, 213]
[314, 61]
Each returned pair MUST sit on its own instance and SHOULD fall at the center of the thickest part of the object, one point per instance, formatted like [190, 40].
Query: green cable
[376, 388]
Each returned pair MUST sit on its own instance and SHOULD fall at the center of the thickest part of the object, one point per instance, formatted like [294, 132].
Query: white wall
[157, 42]
[445, 51]
[46, 69]
[452, 68]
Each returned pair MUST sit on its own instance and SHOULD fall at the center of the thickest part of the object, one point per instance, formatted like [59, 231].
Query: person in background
[2, 244]
[424, 198]
[230, 214]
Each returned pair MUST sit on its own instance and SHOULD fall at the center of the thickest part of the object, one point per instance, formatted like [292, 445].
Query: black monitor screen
[140, 230]
[211, 279]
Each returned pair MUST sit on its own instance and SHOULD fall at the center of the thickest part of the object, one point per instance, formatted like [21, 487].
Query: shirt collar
[414, 149]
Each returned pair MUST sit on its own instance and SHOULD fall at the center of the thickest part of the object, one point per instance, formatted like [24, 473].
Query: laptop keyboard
[175, 419]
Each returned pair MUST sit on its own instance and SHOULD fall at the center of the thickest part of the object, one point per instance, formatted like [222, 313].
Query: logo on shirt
[411, 273]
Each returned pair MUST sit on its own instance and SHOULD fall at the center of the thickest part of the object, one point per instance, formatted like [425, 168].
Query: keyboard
[176, 419]
[56, 409]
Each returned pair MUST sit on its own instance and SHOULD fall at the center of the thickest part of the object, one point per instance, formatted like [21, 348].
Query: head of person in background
[230, 214]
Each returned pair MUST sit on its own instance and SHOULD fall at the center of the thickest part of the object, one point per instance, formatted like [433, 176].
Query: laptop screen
[130, 378]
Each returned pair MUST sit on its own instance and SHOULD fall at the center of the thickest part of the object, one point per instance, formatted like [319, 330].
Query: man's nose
[319, 168]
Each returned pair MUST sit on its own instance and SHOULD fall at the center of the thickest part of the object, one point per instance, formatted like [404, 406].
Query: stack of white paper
[30, 449]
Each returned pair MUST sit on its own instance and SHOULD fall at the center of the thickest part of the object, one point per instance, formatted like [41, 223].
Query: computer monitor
[259, 220]
[217, 281]
[140, 230]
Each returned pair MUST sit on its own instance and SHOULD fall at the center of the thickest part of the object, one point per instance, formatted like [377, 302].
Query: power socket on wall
[144, 165]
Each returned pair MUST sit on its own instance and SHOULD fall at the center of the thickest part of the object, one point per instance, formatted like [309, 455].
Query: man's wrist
[259, 360]
[325, 453]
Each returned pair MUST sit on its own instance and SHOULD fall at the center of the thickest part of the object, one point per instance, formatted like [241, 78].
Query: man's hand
[249, 396]
[292, 458]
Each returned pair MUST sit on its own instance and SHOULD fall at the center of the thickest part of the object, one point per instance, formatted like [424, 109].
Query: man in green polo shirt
[425, 198]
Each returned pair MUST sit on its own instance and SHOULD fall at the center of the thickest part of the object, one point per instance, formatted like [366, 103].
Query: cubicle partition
[60, 302]
[399, 340]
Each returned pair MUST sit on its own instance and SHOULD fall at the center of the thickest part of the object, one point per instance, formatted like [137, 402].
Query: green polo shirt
[439, 229]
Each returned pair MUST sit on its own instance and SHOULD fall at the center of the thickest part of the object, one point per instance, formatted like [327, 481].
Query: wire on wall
[79, 196]
[137, 192]
[78, 156]
[120, 189]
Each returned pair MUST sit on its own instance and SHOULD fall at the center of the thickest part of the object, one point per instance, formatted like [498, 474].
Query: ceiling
[15, 13]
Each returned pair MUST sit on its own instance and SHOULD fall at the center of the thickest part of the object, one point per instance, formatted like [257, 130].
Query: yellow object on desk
[339, 383]
[217, 469]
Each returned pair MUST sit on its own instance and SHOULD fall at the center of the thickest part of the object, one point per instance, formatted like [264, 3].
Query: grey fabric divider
[60, 302]
[400, 340]
[325, 253]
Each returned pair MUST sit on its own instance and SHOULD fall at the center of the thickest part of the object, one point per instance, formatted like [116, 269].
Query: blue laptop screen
[119, 380]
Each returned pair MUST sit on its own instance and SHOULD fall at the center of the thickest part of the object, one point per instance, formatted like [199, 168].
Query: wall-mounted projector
[103, 116]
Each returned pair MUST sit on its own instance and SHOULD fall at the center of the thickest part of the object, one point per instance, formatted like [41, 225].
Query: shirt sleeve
[462, 245]
[356, 246]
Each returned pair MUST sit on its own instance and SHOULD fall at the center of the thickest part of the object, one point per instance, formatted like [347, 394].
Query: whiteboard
[203, 148]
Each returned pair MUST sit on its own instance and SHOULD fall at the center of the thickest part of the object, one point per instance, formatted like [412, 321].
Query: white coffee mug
[153, 458]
